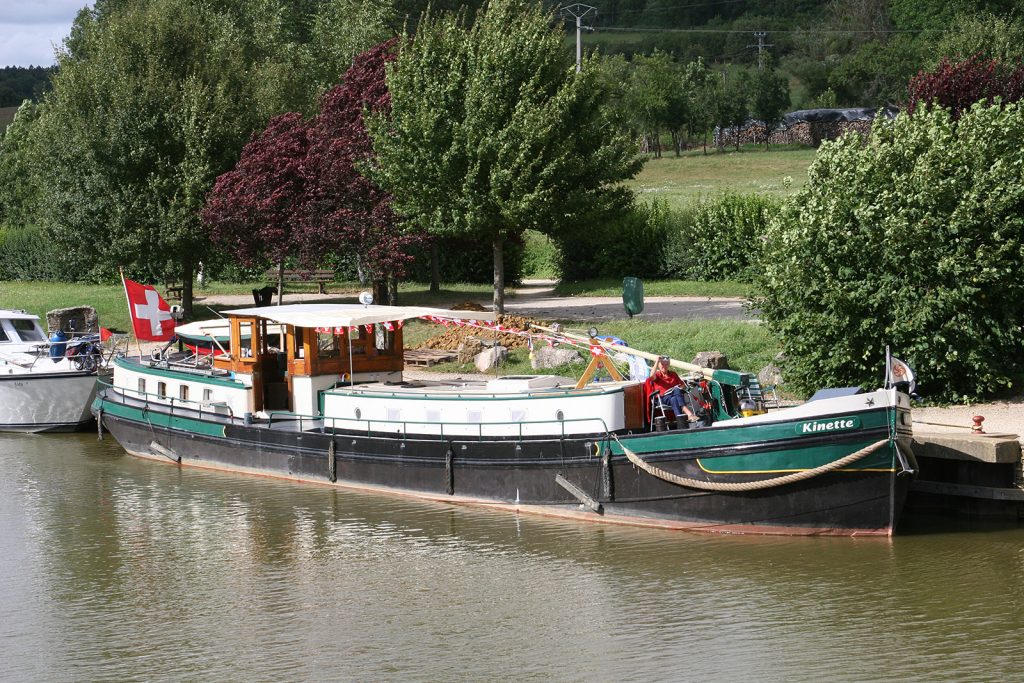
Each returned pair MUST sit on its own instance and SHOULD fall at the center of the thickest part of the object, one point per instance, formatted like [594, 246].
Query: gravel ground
[1001, 417]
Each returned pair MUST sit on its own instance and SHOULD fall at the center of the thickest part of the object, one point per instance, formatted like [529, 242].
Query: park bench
[173, 291]
[320, 277]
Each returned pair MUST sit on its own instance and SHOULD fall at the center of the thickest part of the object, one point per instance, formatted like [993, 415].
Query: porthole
[359, 414]
[559, 415]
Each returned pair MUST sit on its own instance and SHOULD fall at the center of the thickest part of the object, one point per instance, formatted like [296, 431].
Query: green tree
[731, 101]
[769, 98]
[18, 189]
[700, 85]
[153, 100]
[611, 72]
[493, 132]
[877, 73]
[653, 96]
[985, 34]
[915, 240]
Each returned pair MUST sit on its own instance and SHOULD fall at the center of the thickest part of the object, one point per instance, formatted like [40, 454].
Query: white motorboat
[44, 386]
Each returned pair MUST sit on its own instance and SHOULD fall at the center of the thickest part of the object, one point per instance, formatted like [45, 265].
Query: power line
[793, 31]
[578, 11]
[761, 45]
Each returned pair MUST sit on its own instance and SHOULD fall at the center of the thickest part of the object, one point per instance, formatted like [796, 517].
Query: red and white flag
[151, 315]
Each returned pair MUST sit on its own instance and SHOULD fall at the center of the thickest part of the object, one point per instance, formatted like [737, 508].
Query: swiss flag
[151, 315]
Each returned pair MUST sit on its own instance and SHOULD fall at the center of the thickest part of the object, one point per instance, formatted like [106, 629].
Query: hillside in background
[845, 53]
[18, 84]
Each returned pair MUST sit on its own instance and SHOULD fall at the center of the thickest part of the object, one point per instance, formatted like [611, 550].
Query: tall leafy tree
[982, 33]
[655, 97]
[769, 98]
[254, 211]
[699, 84]
[492, 131]
[939, 206]
[731, 110]
[153, 100]
[342, 208]
[18, 189]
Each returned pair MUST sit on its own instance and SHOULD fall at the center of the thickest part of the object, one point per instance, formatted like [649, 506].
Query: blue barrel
[58, 344]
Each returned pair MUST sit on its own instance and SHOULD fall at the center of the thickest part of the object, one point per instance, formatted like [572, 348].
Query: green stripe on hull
[798, 459]
[736, 436]
[160, 419]
[789, 455]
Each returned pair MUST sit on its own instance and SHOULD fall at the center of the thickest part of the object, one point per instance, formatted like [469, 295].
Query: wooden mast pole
[689, 367]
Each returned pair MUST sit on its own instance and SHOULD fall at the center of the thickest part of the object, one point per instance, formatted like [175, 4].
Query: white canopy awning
[345, 315]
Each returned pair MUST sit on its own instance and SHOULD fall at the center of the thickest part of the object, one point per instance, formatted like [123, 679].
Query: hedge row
[25, 254]
[717, 239]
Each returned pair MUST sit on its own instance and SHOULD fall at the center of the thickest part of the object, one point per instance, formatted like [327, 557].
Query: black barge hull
[585, 477]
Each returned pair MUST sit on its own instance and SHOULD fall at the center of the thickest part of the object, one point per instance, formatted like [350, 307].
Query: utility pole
[761, 45]
[579, 11]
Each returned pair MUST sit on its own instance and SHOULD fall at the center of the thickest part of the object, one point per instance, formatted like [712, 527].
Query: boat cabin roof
[346, 315]
[12, 314]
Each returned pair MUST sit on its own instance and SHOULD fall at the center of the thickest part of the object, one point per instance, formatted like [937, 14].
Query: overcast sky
[30, 29]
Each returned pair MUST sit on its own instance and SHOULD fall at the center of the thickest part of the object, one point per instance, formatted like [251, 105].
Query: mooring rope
[748, 485]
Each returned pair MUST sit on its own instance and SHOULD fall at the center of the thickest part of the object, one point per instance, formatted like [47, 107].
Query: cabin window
[245, 341]
[207, 395]
[327, 345]
[142, 386]
[359, 341]
[161, 389]
[28, 330]
[183, 392]
[3, 335]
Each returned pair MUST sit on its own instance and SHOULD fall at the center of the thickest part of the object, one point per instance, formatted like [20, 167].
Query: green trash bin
[633, 295]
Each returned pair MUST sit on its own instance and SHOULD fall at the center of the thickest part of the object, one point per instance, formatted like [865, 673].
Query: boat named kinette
[316, 393]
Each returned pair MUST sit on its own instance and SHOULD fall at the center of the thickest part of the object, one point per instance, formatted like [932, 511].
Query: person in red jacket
[668, 384]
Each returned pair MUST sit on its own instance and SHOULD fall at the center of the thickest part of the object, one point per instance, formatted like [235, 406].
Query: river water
[117, 569]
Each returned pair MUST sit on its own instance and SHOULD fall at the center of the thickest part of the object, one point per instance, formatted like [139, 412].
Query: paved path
[536, 299]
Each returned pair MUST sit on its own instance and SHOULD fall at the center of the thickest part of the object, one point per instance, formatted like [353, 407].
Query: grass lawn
[683, 180]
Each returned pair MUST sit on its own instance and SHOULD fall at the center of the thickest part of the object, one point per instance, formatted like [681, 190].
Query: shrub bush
[25, 254]
[914, 239]
[719, 239]
[630, 245]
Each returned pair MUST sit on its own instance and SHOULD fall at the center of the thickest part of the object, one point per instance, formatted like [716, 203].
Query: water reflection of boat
[328, 404]
[44, 386]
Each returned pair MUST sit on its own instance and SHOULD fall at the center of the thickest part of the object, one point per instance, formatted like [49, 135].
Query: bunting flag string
[389, 325]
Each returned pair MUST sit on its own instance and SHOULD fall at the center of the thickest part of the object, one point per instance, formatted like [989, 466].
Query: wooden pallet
[428, 357]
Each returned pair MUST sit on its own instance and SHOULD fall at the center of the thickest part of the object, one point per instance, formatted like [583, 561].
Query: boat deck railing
[200, 409]
[289, 421]
[465, 390]
[352, 424]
